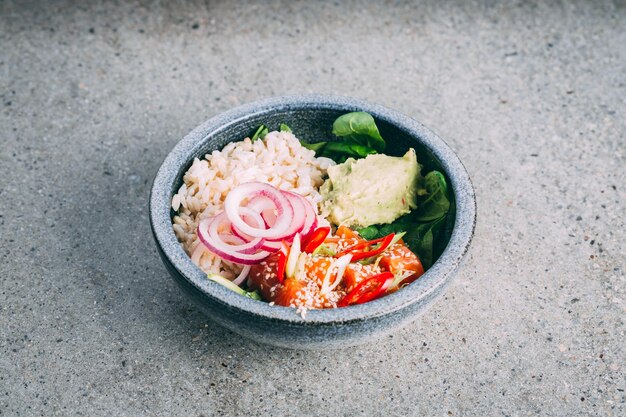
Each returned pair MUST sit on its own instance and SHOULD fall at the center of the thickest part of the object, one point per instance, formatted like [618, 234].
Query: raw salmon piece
[291, 293]
[263, 277]
[347, 233]
[400, 258]
[355, 273]
[317, 267]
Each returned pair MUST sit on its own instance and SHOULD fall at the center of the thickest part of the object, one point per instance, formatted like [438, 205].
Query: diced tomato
[399, 257]
[356, 273]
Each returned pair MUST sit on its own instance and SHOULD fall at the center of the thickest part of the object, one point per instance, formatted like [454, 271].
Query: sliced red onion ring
[260, 203]
[313, 227]
[252, 189]
[267, 245]
[251, 214]
[229, 251]
[266, 207]
[299, 216]
[270, 246]
[310, 223]
[239, 234]
[232, 245]
[269, 217]
[230, 239]
[243, 275]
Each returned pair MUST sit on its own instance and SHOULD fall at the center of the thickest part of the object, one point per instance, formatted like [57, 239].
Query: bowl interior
[315, 125]
[311, 118]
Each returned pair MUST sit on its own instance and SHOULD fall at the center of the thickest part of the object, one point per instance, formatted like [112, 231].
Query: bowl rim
[438, 275]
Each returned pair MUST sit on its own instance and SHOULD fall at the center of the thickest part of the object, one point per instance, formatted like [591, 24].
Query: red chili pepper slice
[315, 239]
[280, 270]
[368, 290]
[384, 244]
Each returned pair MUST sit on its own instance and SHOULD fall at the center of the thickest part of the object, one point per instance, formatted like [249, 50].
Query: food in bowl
[278, 159]
[311, 225]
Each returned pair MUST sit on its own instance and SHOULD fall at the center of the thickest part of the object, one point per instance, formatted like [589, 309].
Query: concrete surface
[531, 96]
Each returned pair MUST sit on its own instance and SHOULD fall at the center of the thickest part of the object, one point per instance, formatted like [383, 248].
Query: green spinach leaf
[436, 203]
[421, 240]
[339, 151]
[401, 224]
[317, 147]
[369, 232]
[284, 128]
[419, 237]
[260, 133]
[360, 128]
[359, 134]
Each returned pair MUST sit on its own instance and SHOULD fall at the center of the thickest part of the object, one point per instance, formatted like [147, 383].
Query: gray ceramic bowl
[311, 117]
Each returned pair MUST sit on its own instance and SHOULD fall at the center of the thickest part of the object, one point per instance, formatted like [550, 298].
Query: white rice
[279, 159]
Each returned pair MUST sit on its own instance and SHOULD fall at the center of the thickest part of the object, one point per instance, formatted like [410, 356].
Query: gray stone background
[530, 94]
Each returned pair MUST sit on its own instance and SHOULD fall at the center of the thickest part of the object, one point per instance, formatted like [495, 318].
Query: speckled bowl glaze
[311, 117]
